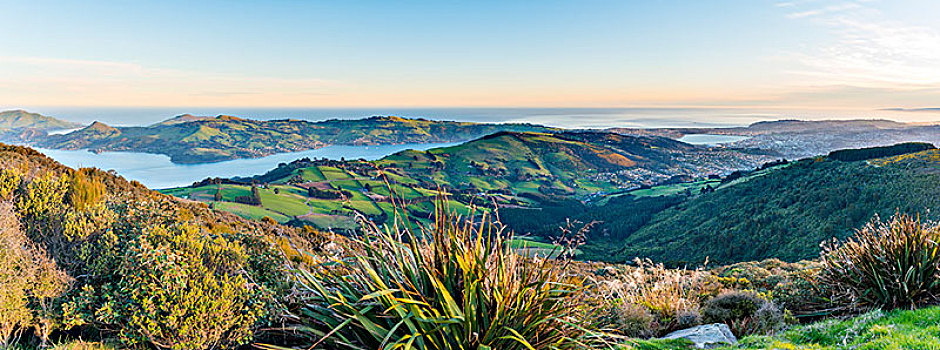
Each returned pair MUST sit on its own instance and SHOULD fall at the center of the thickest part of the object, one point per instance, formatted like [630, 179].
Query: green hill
[505, 169]
[193, 139]
[568, 163]
[786, 212]
[20, 119]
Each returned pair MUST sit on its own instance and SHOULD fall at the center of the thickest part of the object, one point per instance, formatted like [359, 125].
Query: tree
[255, 195]
[29, 280]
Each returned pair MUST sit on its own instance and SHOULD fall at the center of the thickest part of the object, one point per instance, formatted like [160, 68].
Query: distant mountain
[195, 139]
[934, 109]
[185, 118]
[815, 126]
[802, 138]
[21, 120]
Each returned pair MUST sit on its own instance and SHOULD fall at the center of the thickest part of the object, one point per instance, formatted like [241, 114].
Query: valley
[502, 170]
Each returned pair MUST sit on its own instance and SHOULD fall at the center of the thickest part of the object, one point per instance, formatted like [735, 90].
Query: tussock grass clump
[745, 312]
[669, 297]
[887, 264]
[453, 285]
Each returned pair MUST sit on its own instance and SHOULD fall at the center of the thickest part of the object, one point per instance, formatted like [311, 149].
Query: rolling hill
[566, 163]
[20, 119]
[783, 210]
[505, 169]
[786, 212]
[19, 126]
[195, 139]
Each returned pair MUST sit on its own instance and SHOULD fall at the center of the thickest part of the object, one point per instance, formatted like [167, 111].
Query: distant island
[201, 139]
[189, 139]
[930, 109]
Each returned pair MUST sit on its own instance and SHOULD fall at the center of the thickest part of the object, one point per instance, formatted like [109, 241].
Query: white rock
[706, 336]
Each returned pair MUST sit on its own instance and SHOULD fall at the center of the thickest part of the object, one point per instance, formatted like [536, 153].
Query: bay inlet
[156, 171]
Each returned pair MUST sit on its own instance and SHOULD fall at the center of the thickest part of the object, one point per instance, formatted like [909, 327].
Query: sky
[585, 53]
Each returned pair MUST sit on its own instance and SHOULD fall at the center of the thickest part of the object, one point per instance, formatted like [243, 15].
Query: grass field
[876, 330]
[331, 173]
[895, 330]
[250, 212]
[285, 203]
[340, 222]
[671, 189]
[534, 247]
[311, 174]
[366, 196]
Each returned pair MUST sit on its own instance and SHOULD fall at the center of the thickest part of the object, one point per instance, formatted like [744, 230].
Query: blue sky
[786, 53]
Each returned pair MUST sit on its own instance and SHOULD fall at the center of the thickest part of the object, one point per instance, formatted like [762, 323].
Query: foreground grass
[70, 345]
[876, 330]
[918, 329]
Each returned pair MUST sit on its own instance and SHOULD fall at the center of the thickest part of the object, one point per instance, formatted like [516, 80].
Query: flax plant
[893, 264]
[454, 284]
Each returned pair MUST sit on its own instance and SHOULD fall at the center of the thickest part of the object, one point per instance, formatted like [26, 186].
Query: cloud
[869, 51]
[839, 8]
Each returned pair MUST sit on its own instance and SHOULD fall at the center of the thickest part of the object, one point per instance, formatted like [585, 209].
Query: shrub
[454, 285]
[153, 279]
[182, 291]
[14, 278]
[793, 286]
[744, 312]
[630, 320]
[84, 189]
[150, 270]
[666, 293]
[28, 282]
[9, 182]
[891, 264]
[41, 197]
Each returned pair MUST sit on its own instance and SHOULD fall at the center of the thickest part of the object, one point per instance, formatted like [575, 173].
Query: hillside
[19, 126]
[506, 169]
[88, 253]
[786, 212]
[20, 119]
[781, 210]
[194, 139]
[568, 163]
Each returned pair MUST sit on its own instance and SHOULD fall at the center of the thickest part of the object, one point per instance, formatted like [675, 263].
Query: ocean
[557, 117]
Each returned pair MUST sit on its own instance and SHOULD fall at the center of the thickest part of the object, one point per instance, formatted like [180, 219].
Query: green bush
[455, 285]
[155, 278]
[9, 182]
[183, 291]
[29, 280]
[150, 271]
[744, 312]
[891, 264]
[84, 189]
[630, 320]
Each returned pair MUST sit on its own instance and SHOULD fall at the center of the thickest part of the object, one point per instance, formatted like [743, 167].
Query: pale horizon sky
[858, 54]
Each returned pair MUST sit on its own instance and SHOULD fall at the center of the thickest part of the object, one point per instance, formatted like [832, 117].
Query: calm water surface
[709, 139]
[156, 171]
